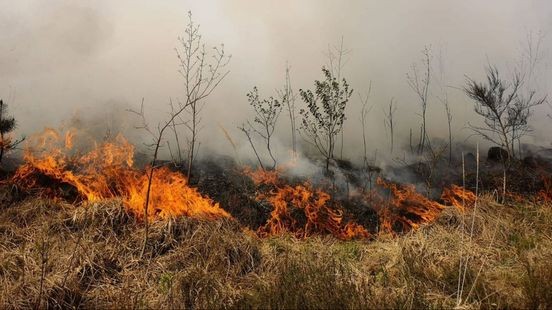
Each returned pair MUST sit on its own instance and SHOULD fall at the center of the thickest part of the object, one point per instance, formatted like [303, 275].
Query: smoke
[95, 59]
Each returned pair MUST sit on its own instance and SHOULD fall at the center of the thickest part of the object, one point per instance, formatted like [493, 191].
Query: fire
[459, 197]
[106, 172]
[53, 162]
[545, 194]
[406, 209]
[302, 210]
[262, 176]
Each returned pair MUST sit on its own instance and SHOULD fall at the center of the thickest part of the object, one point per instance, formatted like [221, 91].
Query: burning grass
[301, 209]
[75, 240]
[106, 171]
[57, 166]
[305, 210]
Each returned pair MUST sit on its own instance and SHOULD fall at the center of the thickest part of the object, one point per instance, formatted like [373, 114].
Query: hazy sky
[61, 58]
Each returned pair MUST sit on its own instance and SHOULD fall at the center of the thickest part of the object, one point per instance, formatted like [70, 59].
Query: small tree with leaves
[323, 119]
[267, 112]
[504, 109]
[7, 125]
[505, 112]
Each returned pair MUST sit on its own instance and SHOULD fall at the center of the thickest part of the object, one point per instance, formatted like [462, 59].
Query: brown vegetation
[55, 254]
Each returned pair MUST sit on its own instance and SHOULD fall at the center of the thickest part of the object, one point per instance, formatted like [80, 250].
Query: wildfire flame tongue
[406, 209]
[459, 197]
[107, 172]
[301, 210]
[545, 194]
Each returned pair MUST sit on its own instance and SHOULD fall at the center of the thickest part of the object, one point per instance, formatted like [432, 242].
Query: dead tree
[288, 98]
[267, 112]
[7, 125]
[202, 71]
[419, 82]
[504, 109]
[323, 119]
[388, 121]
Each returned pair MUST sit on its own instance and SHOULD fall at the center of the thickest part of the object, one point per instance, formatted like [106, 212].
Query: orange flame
[302, 210]
[262, 176]
[458, 197]
[406, 209]
[545, 194]
[107, 172]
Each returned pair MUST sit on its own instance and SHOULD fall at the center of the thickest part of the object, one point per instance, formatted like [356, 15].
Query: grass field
[54, 254]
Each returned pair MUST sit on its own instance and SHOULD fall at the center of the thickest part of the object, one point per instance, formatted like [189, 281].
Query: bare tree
[529, 64]
[267, 112]
[432, 156]
[246, 129]
[444, 99]
[531, 56]
[202, 71]
[448, 113]
[337, 60]
[174, 127]
[504, 109]
[288, 98]
[388, 121]
[419, 82]
[323, 119]
[365, 110]
[156, 142]
[369, 168]
[7, 125]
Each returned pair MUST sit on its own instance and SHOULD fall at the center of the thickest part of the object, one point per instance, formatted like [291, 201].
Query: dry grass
[55, 254]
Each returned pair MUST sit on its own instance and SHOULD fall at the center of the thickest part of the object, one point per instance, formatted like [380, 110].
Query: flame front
[545, 194]
[459, 197]
[107, 172]
[302, 210]
[406, 209]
